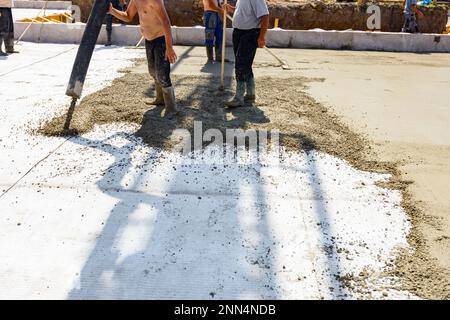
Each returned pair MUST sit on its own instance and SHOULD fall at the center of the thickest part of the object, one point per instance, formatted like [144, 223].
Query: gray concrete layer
[311, 39]
[400, 101]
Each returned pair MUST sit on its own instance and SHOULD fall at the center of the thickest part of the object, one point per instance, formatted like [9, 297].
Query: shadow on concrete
[193, 249]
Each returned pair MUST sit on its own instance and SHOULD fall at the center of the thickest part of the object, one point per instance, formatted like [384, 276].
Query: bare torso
[150, 23]
[206, 6]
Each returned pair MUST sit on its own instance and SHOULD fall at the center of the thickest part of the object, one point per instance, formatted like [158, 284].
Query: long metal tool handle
[267, 49]
[140, 41]
[274, 55]
[224, 44]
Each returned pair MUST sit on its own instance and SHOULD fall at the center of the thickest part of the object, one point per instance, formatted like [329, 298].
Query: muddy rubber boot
[251, 94]
[108, 38]
[9, 46]
[209, 54]
[238, 99]
[159, 100]
[2, 54]
[218, 51]
[171, 105]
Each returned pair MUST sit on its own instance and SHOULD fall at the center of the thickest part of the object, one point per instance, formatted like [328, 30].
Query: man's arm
[126, 16]
[262, 34]
[416, 10]
[162, 14]
[229, 8]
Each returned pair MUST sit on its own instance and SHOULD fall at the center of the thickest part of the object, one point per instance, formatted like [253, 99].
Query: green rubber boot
[2, 54]
[171, 105]
[238, 99]
[210, 54]
[251, 90]
[159, 100]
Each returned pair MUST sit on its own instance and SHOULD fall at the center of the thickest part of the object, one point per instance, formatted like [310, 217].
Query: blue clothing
[213, 29]
[408, 6]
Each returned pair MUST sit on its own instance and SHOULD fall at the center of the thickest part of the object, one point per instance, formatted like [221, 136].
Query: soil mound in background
[305, 15]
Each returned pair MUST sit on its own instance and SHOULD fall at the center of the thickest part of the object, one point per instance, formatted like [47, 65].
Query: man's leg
[249, 77]
[405, 23]
[149, 48]
[3, 28]
[238, 99]
[210, 23]
[2, 54]
[162, 70]
[415, 25]
[245, 44]
[408, 23]
[109, 20]
[218, 33]
[9, 34]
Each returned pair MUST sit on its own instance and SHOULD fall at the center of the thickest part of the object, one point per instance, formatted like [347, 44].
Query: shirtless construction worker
[212, 17]
[155, 27]
[250, 23]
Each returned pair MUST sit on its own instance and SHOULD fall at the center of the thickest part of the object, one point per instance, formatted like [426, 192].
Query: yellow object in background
[275, 24]
[57, 18]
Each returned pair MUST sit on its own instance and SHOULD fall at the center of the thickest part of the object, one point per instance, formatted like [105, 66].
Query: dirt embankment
[342, 16]
[308, 15]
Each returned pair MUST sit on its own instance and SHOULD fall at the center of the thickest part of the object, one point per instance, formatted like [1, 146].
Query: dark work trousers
[410, 25]
[158, 66]
[245, 43]
[109, 17]
[7, 28]
[213, 29]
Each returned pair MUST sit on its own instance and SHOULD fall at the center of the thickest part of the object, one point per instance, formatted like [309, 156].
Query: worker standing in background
[250, 23]
[410, 10]
[212, 18]
[119, 5]
[6, 27]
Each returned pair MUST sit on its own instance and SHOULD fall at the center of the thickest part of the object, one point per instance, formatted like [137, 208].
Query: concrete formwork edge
[311, 39]
[40, 4]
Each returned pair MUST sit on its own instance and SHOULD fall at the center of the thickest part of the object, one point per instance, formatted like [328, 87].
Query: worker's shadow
[180, 243]
[187, 245]
[171, 243]
[202, 103]
[176, 258]
[214, 69]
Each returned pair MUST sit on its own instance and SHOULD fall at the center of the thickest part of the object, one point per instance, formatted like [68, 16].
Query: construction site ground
[357, 205]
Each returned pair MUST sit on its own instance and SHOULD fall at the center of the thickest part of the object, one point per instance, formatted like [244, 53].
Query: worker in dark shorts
[212, 18]
[155, 27]
[250, 23]
[6, 27]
